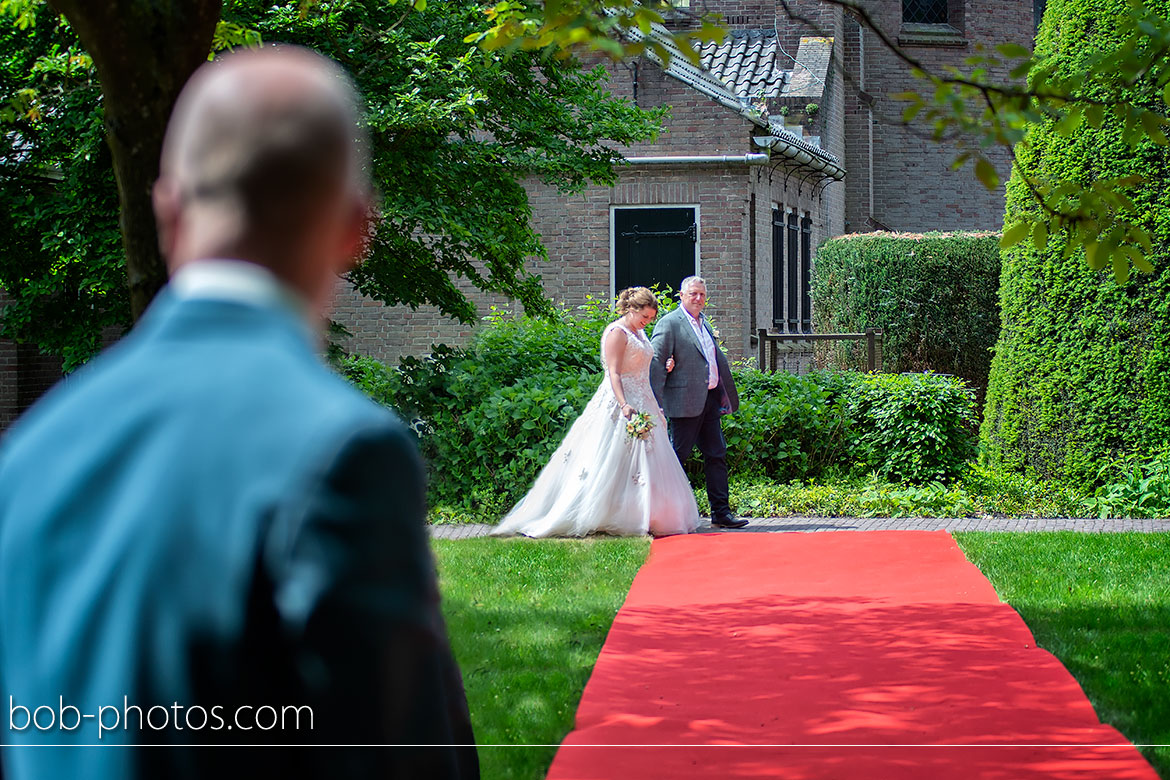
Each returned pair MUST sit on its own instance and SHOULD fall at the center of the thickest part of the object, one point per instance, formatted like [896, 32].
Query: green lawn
[1101, 604]
[527, 620]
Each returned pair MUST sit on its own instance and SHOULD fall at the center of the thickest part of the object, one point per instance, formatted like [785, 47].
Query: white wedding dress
[601, 479]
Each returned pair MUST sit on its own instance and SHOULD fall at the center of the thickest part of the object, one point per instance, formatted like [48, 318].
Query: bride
[602, 478]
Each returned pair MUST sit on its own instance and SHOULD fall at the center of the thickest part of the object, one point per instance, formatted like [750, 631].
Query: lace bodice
[635, 372]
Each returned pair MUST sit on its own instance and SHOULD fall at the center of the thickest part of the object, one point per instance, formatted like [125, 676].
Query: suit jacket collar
[170, 315]
[690, 331]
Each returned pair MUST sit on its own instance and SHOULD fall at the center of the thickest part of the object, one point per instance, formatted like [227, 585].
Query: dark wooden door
[653, 246]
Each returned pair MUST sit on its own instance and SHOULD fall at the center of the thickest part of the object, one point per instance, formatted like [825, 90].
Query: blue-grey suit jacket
[203, 520]
[683, 391]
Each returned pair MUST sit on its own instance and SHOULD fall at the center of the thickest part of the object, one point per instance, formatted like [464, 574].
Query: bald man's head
[262, 147]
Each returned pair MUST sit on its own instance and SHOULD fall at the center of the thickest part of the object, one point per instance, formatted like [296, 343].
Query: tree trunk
[144, 52]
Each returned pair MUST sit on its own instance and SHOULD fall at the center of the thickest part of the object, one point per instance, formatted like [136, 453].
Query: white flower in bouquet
[640, 425]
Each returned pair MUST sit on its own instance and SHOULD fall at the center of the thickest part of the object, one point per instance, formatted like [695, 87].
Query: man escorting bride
[610, 474]
[692, 380]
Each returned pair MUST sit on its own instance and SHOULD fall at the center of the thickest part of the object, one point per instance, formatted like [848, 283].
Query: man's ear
[361, 224]
[167, 203]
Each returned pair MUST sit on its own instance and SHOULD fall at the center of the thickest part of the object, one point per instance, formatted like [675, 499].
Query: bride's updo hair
[633, 298]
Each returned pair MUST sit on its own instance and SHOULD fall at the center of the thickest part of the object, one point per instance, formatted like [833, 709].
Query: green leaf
[1094, 256]
[1014, 235]
[1040, 235]
[1153, 125]
[1120, 268]
[1071, 121]
[1095, 114]
[1139, 260]
[1013, 50]
[986, 173]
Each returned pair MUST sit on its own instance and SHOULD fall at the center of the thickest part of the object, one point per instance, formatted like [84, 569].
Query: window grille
[805, 274]
[924, 12]
[793, 267]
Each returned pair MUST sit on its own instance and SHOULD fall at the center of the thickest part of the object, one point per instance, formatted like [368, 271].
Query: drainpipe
[711, 159]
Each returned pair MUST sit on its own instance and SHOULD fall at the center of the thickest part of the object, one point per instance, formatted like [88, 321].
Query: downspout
[710, 159]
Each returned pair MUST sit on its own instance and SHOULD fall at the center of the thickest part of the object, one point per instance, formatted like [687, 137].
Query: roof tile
[746, 62]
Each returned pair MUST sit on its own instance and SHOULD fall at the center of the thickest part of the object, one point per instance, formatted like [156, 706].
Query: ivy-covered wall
[934, 295]
[1081, 372]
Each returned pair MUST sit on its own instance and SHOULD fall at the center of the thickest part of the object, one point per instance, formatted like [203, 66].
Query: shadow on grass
[527, 620]
[1101, 604]
[1121, 658]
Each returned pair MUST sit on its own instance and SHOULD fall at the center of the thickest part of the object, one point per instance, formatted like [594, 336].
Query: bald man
[206, 537]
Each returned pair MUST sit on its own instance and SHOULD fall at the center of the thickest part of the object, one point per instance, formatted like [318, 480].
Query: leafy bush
[788, 426]
[1081, 373]
[914, 428]
[1133, 488]
[935, 296]
[489, 417]
[1002, 492]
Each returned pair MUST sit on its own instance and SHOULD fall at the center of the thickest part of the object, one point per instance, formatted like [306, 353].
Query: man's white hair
[691, 281]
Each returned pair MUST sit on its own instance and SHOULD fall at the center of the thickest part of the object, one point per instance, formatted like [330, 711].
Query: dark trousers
[706, 431]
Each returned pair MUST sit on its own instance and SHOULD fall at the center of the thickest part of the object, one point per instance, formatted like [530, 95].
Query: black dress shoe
[731, 521]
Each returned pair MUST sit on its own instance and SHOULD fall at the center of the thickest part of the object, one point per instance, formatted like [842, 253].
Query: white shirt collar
[240, 281]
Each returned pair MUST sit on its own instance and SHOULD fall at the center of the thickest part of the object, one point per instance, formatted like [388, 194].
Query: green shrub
[788, 426]
[1133, 487]
[914, 428]
[1009, 493]
[1081, 373]
[935, 296]
[979, 491]
[489, 417]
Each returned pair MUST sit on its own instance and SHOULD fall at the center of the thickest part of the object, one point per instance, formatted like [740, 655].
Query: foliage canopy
[455, 131]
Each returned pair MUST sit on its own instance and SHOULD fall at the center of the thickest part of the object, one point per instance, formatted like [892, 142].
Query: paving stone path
[809, 524]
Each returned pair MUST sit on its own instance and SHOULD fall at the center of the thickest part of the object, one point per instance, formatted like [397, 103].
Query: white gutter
[801, 153]
[716, 159]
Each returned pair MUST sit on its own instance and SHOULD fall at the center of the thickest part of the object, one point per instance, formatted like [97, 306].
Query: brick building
[786, 135]
[746, 180]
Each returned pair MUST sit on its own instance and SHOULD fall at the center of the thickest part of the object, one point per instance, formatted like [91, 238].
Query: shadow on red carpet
[859, 655]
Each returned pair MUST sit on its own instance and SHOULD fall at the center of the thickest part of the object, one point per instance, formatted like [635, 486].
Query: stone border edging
[816, 524]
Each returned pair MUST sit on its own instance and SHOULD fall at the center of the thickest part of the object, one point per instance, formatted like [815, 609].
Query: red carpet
[839, 655]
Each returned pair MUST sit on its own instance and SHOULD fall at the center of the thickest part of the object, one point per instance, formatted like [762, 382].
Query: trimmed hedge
[934, 295]
[1081, 373]
[489, 417]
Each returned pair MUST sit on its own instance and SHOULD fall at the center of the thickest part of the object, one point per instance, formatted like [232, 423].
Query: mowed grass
[527, 620]
[1101, 604]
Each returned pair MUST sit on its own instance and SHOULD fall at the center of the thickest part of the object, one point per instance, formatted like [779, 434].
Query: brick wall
[737, 14]
[905, 176]
[25, 375]
[9, 383]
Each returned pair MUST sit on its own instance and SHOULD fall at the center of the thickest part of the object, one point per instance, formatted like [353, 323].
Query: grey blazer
[683, 391]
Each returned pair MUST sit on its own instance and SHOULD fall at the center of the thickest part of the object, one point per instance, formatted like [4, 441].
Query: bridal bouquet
[640, 425]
